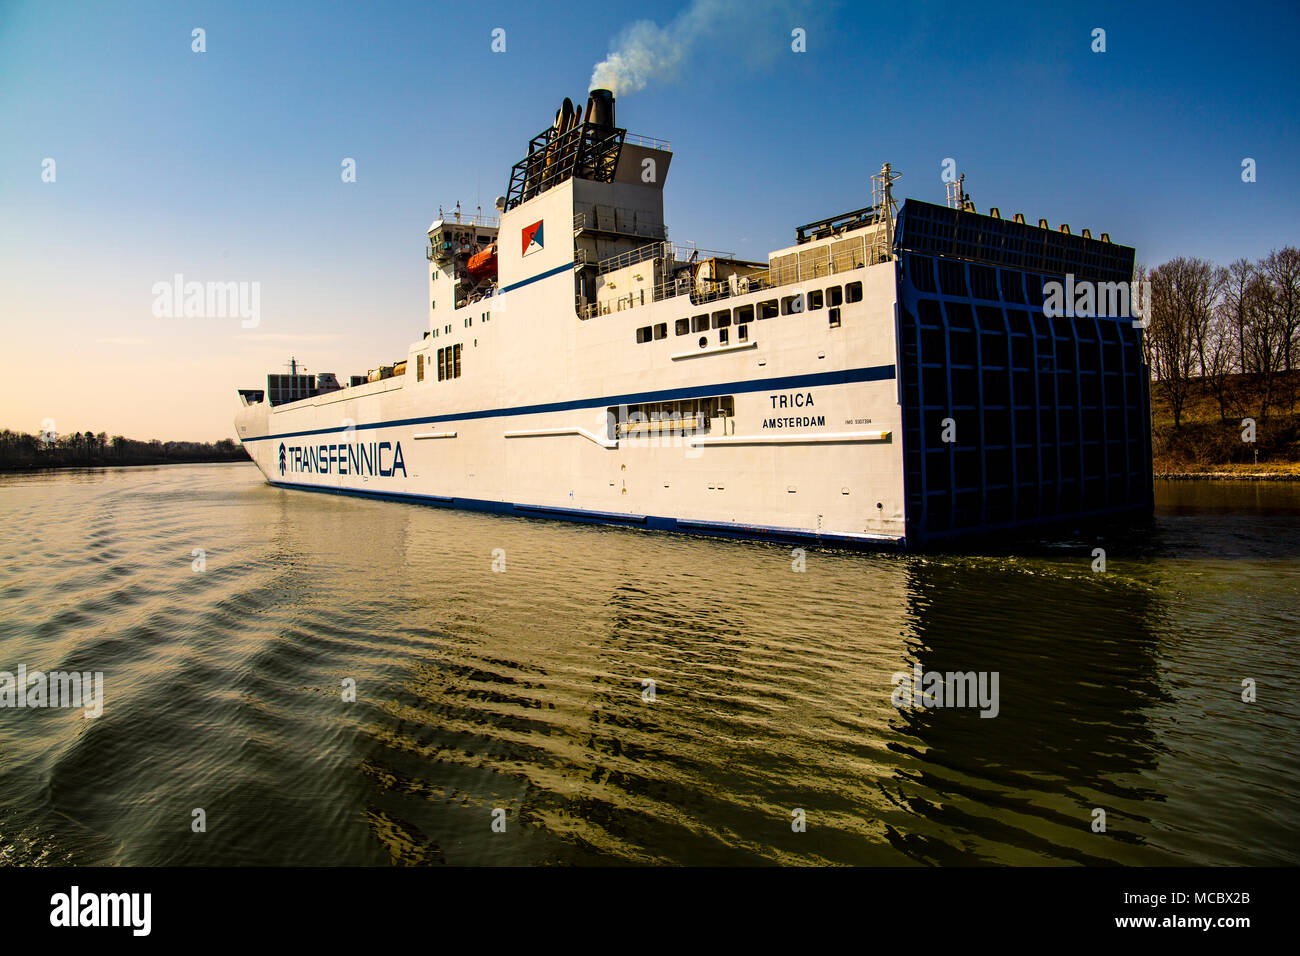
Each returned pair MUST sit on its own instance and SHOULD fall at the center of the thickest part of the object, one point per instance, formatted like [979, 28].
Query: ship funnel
[600, 108]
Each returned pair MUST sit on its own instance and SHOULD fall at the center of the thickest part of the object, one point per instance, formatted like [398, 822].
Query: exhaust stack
[600, 108]
[576, 143]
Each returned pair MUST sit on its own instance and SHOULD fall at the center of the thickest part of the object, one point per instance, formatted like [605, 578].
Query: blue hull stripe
[653, 522]
[567, 267]
[875, 373]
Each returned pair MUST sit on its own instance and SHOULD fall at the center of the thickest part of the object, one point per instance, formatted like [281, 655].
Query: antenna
[957, 197]
[886, 209]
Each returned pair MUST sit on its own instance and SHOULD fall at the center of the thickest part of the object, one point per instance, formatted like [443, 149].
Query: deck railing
[822, 264]
[648, 141]
[491, 220]
[616, 219]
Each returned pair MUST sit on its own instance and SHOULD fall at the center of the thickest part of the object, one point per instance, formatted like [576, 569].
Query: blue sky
[225, 165]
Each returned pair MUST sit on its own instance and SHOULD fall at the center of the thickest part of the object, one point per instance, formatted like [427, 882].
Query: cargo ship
[891, 378]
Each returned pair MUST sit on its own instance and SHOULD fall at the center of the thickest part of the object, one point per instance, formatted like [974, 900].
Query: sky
[226, 165]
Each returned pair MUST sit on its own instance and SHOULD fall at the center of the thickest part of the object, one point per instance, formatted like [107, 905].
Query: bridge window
[683, 326]
[744, 313]
[643, 334]
[699, 323]
[767, 309]
[853, 292]
[661, 330]
[722, 319]
[816, 299]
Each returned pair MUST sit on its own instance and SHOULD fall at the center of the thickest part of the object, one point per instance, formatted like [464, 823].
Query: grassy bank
[1205, 445]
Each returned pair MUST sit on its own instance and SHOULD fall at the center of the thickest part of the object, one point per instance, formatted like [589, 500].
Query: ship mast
[957, 195]
[882, 198]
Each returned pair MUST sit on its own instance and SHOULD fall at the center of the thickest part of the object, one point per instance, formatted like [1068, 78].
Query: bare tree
[1196, 288]
[1235, 302]
[1282, 266]
[1266, 345]
[1222, 347]
[1182, 300]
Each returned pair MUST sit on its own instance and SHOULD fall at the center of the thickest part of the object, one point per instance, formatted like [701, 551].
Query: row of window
[468, 323]
[832, 297]
[449, 362]
[650, 332]
[658, 418]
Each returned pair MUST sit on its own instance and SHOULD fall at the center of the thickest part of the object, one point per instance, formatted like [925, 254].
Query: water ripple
[623, 697]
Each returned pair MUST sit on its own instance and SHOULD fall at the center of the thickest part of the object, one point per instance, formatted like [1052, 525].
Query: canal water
[535, 692]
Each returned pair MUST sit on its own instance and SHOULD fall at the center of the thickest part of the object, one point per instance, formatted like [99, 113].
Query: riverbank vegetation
[20, 451]
[1211, 435]
[1224, 350]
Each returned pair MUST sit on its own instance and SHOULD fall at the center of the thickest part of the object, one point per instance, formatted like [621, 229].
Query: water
[523, 691]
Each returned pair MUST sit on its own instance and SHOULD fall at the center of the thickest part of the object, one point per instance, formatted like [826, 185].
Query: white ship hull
[890, 379]
[811, 451]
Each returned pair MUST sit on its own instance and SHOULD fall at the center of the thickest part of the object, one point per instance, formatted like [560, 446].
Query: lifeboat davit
[483, 265]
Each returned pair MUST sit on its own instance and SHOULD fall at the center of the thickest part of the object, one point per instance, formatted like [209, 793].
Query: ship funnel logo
[532, 236]
[281, 458]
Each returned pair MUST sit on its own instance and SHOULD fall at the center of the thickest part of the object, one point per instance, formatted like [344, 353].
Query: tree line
[1231, 330]
[21, 451]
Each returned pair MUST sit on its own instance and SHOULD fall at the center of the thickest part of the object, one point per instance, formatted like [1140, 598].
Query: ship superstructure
[890, 378]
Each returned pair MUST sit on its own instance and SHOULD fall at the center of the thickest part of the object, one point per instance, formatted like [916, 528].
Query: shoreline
[1226, 476]
[29, 469]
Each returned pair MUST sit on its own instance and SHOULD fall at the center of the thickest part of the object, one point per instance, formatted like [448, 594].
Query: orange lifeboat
[483, 265]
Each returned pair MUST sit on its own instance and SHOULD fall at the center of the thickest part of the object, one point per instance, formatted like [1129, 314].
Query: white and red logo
[532, 236]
